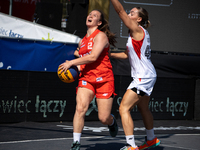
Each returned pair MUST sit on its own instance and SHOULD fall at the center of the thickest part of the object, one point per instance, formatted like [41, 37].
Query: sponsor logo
[105, 94]
[48, 39]
[99, 79]
[84, 82]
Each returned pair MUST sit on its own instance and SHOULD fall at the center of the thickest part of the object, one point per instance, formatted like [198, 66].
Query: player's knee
[81, 110]
[122, 110]
[104, 119]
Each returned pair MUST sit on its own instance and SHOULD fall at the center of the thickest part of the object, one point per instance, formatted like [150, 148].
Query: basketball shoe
[113, 129]
[75, 146]
[150, 144]
[129, 147]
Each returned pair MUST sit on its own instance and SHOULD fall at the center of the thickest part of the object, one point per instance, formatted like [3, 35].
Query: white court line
[102, 129]
[38, 140]
[57, 139]
[42, 140]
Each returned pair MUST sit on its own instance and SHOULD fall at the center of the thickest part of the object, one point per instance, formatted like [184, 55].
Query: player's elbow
[93, 58]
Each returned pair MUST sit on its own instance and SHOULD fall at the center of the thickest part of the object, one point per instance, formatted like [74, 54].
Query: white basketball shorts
[142, 85]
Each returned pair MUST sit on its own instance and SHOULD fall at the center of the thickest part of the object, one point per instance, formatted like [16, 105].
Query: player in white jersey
[142, 70]
[143, 73]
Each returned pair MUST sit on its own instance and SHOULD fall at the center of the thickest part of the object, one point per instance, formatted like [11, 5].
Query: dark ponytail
[104, 27]
[145, 23]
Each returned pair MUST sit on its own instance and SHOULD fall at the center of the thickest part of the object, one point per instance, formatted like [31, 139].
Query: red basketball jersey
[101, 69]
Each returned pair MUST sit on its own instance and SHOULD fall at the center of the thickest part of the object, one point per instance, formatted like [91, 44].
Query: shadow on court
[173, 134]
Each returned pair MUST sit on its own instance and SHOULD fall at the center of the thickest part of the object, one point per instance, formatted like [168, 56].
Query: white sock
[150, 134]
[131, 140]
[77, 137]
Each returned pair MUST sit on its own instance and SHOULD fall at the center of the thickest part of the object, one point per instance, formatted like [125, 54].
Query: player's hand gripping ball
[69, 76]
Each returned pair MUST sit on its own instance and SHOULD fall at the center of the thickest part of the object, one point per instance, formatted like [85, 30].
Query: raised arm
[133, 26]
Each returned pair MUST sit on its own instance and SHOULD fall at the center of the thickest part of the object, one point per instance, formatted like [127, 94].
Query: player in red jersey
[96, 76]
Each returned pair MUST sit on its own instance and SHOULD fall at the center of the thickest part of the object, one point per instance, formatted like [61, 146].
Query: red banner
[23, 9]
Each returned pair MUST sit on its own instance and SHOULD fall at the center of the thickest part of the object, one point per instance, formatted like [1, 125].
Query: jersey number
[148, 52]
[90, 45]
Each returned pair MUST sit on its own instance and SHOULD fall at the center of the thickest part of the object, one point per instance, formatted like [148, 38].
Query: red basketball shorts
[102, 90]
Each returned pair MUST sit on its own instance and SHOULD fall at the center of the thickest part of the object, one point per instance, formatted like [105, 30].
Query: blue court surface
[173, 134]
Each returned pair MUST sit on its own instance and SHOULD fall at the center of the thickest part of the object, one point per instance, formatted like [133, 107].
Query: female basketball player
[96, 77]
[143, 73]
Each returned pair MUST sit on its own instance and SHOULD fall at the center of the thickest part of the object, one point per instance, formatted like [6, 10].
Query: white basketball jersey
[141, 65]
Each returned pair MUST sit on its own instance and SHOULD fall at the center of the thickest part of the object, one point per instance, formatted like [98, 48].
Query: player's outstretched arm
[133, 26]
[121, 55]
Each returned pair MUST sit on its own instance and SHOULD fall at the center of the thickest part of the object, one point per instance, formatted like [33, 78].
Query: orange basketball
[69, 76]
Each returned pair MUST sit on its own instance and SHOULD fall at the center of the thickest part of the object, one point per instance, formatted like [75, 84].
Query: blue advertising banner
[30, 55]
